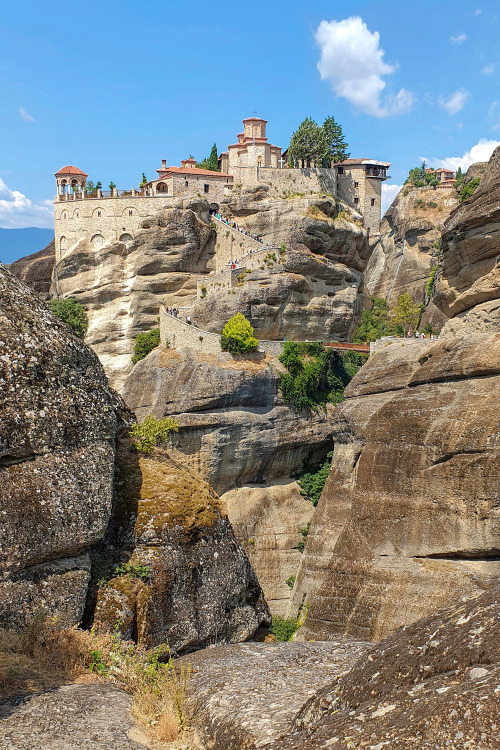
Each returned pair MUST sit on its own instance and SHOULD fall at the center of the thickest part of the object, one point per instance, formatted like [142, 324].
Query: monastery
[103, 216]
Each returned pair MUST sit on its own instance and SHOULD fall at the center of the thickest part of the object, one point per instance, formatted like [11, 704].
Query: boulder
[58, 421]
[36, 269]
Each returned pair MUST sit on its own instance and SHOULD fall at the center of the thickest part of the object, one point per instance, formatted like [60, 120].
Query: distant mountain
[16, 243]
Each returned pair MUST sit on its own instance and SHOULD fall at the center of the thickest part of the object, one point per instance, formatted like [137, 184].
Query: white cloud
[480, 152]
[458, 39]
[454, 102]
[389, 192]
[26, 115]
[488, 69]
[16, 210]
[352, 61]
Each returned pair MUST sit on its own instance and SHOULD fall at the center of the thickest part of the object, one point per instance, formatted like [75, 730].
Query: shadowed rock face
[468, 287]
[410, 515]
[36, 269]
[58, 421]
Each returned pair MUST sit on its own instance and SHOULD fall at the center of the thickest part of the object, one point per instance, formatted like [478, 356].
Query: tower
[70, 179]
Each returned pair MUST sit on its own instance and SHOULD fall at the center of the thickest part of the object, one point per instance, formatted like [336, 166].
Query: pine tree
[210, 162]
[336, 146]
[307, 143]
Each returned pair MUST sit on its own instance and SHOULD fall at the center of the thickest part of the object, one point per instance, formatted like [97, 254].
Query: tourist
[188, 320]
[195, 324]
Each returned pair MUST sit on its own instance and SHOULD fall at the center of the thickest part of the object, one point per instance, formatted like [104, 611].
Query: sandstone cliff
[408, 247]
[237, 432]
[36, 269]
[409, 516]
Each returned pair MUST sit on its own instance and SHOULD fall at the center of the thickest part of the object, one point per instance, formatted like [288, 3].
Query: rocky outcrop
[468, 286]
[408, 247]
[36, 269]
[57, 429]
[122, 286]
[188, 581]
[306, 297]
[409, 516]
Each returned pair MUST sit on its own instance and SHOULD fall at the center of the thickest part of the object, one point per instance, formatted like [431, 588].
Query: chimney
[163, 163]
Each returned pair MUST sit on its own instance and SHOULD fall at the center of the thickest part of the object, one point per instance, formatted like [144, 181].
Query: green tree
[211, 162]
[144, 180]
[145, 343]
[375, 323]
[237, 336]
[90, 187]
[307, 143]
[415, 177]
[98, 185]
[459, 177]
[468, 189]
[406, 312]
[71, 312]
[112, 185]
[335, 143]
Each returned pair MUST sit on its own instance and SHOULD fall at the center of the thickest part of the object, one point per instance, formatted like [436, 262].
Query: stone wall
[231, 244]
[283, 182]
[179, 334]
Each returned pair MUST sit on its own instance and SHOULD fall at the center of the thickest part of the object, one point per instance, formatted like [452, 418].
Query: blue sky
[114, 87]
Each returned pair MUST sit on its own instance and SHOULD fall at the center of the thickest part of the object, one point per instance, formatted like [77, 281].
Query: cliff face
[35, 270]
[409, 516]
[57, 428]
[468, 287]
[408, 247]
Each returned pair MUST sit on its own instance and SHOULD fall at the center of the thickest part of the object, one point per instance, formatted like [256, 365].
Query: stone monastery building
[107, 216]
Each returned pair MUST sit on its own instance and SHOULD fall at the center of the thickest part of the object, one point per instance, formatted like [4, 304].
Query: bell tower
[70, 180]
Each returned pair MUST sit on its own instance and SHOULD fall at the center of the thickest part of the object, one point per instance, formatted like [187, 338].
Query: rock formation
[409, 514]
[408, 247]
[57, 430]
[73, 507]
[36, 269]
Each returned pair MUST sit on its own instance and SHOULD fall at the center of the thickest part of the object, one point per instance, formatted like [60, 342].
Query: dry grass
[44, 656]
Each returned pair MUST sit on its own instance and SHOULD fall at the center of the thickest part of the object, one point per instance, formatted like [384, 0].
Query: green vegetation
[313, 480]
[145, 343]
[203, 292]
[284, 629]
[428, 329]
[430, 284]
[322, 144]
[71, 312]
[291, 581]
[459, 178]
[112, 186]
[375, 323]
[134, 569]
[304, 532]
[468, 189]
[144, 180]
[237, 336]
[420, 178]
[406, 313]
[316, 376]
[151, 432]
[211, 162]
[282, 250]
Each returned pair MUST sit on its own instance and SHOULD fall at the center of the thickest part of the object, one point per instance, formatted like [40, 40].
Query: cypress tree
[335, 143]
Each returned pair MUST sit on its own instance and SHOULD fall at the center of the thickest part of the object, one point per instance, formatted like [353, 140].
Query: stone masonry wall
[309, 181]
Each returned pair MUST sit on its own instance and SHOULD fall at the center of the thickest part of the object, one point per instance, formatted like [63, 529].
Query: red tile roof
[70, 170]
[192, 170]
[349, 162]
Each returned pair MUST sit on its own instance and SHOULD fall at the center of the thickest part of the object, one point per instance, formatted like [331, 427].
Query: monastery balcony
[98, 194]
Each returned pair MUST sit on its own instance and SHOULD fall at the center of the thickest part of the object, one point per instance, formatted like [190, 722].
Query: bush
[291, 581]
[145, 343]
[430, 284]
[134, 569]
[375, 323]
[284, 629]
[71, 312]
[316, 376]
[469, 189]
[428, 328]
[312, 481]
[152, 432]
[237, 336]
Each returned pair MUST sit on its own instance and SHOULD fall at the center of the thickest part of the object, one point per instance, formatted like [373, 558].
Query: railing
[93, 194]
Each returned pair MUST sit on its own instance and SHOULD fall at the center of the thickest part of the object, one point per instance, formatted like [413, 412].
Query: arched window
[161, 188]
[126, 237]
[63, 243]
[97, 241]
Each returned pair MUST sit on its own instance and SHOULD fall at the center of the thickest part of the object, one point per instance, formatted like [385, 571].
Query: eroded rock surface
[58, 421]
[35, 270]
[409, 516]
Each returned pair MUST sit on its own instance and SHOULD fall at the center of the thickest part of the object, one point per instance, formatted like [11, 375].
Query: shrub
[284, 629]
[237, 336]
[146, 435]
[203, 292]
[315, 376]
[432, 204]
[428, 328]
[282, 249]
[133, 569]
[469, 189]
[312, 481]
[145, 343]
[430, 284]
[71, 312]
[291, 581]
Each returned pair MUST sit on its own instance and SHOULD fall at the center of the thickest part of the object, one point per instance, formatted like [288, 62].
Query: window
[340, 170]
[98, 213]
[186, 183]
[356, 200]
[206, 188]
[373, 201]
[356, 184]
[130, 212]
